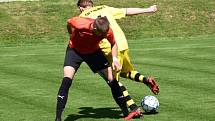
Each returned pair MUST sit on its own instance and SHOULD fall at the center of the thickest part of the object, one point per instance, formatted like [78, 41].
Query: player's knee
[69, 72]
[110, 78]
[106, 74]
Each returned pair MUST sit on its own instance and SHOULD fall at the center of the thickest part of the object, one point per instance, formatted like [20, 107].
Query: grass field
[30, 76]
[179, 54]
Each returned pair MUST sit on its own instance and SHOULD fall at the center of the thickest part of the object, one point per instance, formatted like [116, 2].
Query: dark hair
[101, 24]
[84, 3]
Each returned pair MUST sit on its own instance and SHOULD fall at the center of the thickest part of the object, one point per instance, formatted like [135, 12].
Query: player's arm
[114, 50]
[115, 64]
[135, 11]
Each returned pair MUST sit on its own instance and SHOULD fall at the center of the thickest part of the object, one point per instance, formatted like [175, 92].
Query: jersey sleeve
[117, 13]
[110, 37]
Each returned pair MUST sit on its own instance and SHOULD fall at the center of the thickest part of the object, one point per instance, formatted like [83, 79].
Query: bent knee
[69, 72]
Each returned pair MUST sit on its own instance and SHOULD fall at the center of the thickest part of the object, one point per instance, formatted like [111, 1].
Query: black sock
[62, 96]
[117, 94]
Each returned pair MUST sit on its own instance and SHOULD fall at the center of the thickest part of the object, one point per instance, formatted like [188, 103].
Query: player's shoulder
[78, 21]
[96, 8]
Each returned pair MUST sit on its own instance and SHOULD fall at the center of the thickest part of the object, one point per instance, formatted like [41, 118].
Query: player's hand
[116, 66]
[153, 8]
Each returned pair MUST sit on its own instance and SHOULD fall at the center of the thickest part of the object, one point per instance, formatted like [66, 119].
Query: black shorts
[96, 61]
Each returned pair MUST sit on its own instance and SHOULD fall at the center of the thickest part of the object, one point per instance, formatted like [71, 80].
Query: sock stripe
[125, 93]
[145, 80]
[136, 77]
[123, 88]
[129, 75]
[141, 78]
[133, 107]
[127, 98]
[130, 103]
[120, 84]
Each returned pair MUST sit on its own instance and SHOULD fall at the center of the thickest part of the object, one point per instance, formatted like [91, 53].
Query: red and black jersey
[82, 39]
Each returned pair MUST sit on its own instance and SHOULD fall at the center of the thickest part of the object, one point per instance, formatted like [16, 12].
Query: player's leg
[135, 110]
[98, 63]
[129, 72]
[71, 64]
[129, 101]
[116, 90]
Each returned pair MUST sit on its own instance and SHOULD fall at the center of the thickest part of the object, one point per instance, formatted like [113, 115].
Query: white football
[150, 104]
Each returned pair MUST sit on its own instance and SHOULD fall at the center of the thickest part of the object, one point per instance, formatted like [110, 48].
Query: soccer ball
[150, 104]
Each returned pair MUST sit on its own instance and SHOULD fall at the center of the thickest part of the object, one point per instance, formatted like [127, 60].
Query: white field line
[148, 49]
[16, 0]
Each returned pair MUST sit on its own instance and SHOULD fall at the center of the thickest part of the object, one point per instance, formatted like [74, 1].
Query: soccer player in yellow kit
[88, 10]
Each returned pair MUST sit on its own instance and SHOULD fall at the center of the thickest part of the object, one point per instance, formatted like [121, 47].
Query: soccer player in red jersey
[85, 35]
[128, 71]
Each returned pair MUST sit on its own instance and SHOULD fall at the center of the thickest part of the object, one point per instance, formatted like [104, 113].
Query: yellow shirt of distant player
[112, 14]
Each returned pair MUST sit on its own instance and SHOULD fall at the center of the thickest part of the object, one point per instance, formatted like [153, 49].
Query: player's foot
[152, 85]
[125, 111]
[124, 114]
[134, 114]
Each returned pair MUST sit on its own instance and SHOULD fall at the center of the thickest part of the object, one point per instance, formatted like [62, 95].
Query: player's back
[112, 14]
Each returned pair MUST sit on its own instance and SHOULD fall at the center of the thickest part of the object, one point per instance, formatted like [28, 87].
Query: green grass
[30, 78]
[176, 45]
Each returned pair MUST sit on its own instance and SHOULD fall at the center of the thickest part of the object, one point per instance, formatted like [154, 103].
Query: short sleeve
[117, 13]
[110, 37]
